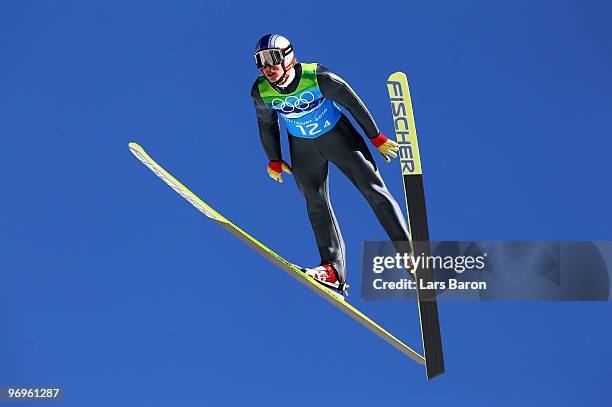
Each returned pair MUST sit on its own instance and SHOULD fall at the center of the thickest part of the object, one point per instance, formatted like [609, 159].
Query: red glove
[276, 168]
[379, 140]
[387, 148]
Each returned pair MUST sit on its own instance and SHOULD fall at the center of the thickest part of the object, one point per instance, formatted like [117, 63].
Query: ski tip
[136, 149]
[395, 76]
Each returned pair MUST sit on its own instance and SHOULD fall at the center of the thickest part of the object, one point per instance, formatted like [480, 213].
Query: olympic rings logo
[293, 103]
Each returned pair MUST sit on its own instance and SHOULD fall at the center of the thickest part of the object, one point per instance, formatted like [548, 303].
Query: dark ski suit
[343, 146]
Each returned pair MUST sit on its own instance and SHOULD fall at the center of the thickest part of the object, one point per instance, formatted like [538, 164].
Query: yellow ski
[288, 267]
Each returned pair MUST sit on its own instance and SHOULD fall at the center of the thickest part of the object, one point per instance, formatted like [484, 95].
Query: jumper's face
[272, 73]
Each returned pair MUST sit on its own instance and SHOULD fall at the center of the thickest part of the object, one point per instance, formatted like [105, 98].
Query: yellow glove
[386, 147]
[276, 168]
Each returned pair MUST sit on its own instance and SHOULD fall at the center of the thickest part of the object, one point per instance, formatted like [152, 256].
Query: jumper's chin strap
[287, 78]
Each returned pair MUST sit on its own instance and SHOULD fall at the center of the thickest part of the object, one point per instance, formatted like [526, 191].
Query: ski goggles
[271, 56]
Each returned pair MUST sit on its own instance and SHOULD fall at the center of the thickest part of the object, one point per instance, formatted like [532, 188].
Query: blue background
[115, 288]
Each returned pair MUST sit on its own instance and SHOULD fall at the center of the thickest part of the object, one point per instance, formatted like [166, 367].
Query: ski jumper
[319, 133]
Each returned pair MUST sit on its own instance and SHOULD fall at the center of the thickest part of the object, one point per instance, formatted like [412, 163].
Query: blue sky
[115, 288]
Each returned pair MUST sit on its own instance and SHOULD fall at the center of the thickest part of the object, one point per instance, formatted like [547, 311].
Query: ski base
[412, 176]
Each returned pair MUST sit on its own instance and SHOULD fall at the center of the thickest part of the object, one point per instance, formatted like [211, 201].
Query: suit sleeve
[269, 132]
[335, 88]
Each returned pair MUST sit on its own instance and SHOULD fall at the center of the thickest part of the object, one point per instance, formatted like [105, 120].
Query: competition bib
[305, 111]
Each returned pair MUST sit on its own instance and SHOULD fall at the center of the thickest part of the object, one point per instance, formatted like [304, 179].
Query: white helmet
[274, 49]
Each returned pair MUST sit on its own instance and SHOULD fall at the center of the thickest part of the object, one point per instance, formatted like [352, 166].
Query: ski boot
[327, 276]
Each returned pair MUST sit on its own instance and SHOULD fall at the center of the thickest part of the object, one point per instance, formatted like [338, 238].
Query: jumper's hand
[385, 146]
[388, 150]
[276, 168]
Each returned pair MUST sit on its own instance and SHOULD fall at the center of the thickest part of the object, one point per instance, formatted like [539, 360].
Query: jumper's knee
[376, 198]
